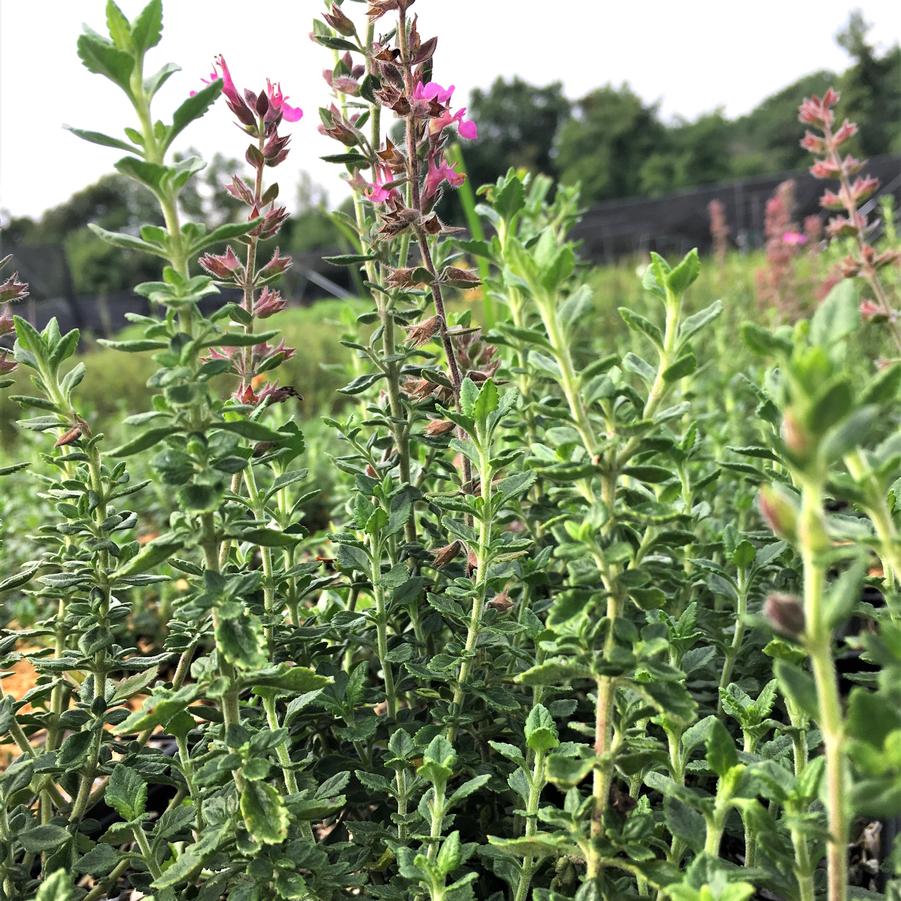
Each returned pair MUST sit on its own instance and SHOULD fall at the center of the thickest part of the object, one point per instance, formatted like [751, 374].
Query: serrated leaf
[264, 813]
[126, 793]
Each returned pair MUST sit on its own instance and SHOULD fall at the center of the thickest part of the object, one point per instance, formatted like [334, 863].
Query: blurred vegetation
[611, 141]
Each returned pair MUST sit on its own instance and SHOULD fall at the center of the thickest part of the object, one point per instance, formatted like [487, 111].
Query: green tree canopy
[607, 141]
[517, 124]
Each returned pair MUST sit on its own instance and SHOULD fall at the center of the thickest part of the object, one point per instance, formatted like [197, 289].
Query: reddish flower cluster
[402, 89]
[11, 291]
[826, 143]
[719, 229]
[258, 115]
[272, 105]
[776, 281]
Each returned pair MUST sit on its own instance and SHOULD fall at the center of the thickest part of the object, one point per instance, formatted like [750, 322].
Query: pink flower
[376, 191]
[869, 309]
[466, 127]
[795, 239]
[239, 105]
[268, 304]
[222, 266]
[440, 173]
[228, 85]
[431, 90]
[280, 102]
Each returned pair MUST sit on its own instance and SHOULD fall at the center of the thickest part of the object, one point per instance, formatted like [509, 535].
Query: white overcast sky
[691, 56]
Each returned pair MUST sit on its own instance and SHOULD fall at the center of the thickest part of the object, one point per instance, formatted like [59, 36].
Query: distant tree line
[611, 141]
[616, 144]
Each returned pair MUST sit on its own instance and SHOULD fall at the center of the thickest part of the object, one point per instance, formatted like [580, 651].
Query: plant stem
[536, 783]
[480, 595]
[741, 609]
[818, 640]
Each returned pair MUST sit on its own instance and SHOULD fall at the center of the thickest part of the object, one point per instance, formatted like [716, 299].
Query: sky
[692, 57]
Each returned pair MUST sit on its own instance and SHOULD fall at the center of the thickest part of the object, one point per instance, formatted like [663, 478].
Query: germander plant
[547, 647]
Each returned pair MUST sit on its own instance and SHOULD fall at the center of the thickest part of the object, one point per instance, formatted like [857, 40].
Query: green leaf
[471, 786]
[146, 173]
[241, 641]
[510, 198]
[639, 323]
[684, 823]
[38, 839]
[193, 108]
[248, 428]
[147, 29]
[798, 687]
[158, 709]
[57, 886]
[845, 593]
[487, 401]
[721, 752]
[653, 475]
[118, 26]
[541, 730]
[96, 137]
[569, 771]
[837, 316]
[469, 394]
[697, 321]
[293, 679]
[144, 441]
[833, 404]
[192, 858]
[126, 793]
[850, 433]
[538, 845]
[684, 275]
[225, 233]
[137, 345]
[151, 555]
[101, 57]
[764, 342]
[265, 537]
[552, 672]
[99, 861]
[239, 339]
[685, 365]
[634, 363]
[126, 242]
[20, 578]
[264, 813]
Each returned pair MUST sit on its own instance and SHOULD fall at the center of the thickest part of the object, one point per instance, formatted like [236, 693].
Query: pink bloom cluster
[271, 107]
[431, 91]
[825, 142]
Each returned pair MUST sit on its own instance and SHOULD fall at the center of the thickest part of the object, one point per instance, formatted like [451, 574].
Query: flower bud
[501, 602]
[444, 555]
[423, 332]
[779, 509]
[69, 437]
[340, 22]
[12, 290]
[438, 427]
[785, 613]
[795, 435]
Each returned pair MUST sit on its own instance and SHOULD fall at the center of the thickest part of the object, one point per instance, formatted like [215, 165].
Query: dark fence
[52, 293]
[669, 225]
[675, 223]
